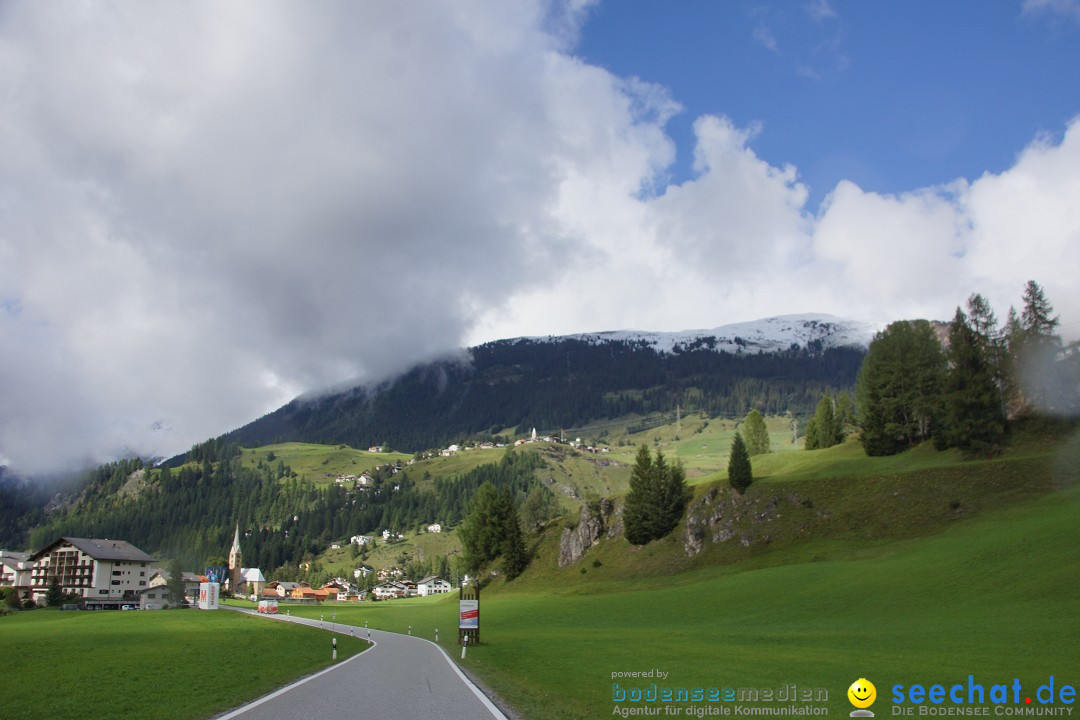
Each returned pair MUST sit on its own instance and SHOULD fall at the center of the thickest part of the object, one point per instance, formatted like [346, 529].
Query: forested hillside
[519, 384]
[190, 512]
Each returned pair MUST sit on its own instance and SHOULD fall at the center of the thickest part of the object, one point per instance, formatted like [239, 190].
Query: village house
[160, 579]
[434, 528]
[105, 573]
[391, 589]
[281, 588]
[432, 585]
[361, 539]
[15, 572]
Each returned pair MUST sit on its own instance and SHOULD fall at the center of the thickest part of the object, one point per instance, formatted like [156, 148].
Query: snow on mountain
[765, 335]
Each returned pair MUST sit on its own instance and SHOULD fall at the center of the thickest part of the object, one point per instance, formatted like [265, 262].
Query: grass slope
[159, 664]
[320, 464]
[905, 588]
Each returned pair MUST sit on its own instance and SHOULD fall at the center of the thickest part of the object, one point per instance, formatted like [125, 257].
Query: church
[242, 580]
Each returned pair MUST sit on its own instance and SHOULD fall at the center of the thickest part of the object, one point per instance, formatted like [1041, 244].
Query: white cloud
[207, 209]
[1068, 8]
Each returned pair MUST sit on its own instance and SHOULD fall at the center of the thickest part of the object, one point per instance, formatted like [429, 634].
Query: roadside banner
[469, 614]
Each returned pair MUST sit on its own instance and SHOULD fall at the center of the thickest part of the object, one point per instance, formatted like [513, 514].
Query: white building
[102, 572]
[432, 586]
[434, 528]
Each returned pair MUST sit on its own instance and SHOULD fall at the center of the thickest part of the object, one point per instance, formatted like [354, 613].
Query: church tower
[236, 559]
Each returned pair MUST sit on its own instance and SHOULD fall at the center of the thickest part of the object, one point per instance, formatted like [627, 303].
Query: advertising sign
[208, 595]
[469, 614]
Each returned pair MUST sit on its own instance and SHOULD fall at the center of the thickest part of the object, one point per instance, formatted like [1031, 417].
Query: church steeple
[236, 560]
[235, 544]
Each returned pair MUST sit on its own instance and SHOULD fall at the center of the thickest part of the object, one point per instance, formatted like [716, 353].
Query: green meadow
[986, 588]
[320, 464]
[181, 664]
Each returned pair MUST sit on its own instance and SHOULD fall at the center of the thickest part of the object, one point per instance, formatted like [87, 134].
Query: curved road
[400, 677]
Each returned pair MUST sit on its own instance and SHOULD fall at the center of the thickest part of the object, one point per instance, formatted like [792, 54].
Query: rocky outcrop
[722, 514]
[593, 522]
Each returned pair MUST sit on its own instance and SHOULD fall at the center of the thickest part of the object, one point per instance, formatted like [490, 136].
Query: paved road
[401, 677]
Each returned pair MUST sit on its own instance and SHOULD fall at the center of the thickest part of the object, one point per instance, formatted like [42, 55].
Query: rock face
[722, 514]
[592, 524]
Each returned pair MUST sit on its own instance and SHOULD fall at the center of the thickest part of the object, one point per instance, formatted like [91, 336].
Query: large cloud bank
[210, 207]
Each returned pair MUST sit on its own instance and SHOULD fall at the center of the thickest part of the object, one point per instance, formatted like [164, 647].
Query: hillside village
[105, 574]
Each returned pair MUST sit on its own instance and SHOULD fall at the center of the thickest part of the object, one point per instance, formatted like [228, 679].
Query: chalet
[306, 592]
[160, 579]
[432, 585]
[434, 528]
[15, 569]
[105, 573]
[375, 449]
[281, 588]
[361, 539]
[15, 572]
[156, 598]
[389, 589]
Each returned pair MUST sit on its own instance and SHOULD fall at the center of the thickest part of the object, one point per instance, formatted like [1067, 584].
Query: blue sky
[890, 95]
[208, 208]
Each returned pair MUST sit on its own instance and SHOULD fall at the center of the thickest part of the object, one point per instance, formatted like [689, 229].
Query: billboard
[468, 614]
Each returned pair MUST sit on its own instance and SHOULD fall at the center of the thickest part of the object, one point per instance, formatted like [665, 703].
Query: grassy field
[320, 464]
[166, 664]
[416, 546]
[934, 569]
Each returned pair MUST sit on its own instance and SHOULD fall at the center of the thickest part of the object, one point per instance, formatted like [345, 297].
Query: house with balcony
[104, 573]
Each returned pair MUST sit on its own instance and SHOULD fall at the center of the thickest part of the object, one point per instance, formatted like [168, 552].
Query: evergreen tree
[740, 472]
[1037, 351]
[899, 387]
[973, 420]
[657, 498]
[492, 529]
[674, 495]
[813, 438]
[755, 434]
[515, 556]
[641, 500]
[55, 594]
[175, 586]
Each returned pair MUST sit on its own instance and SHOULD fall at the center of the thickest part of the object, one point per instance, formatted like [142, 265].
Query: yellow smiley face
[862, 693]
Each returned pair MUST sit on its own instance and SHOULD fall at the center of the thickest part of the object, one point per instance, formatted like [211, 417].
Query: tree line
[961, 384]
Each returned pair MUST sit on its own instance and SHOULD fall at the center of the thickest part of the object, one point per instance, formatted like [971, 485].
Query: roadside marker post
[334, 657]
[464, 647]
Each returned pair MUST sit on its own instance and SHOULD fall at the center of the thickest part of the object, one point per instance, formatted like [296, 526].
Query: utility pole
[678, 421]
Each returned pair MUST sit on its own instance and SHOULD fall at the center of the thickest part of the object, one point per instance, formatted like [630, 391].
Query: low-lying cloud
[207, 209]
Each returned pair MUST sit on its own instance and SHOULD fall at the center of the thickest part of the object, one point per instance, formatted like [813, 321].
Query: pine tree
[899, 387]
[812, 436]
[175, 586]
[755, 434]
[55, 594]
[657, 498]
[1038, 373]
[740, 472]
[973, 420]
[515, 556]
[641, 499]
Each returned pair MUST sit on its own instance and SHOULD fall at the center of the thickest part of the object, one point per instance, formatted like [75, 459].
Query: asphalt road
[400, 677]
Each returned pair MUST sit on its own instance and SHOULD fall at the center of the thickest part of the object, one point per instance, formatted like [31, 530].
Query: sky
[209, 208]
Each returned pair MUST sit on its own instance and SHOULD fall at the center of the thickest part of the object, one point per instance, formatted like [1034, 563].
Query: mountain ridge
[767, 334]
[777, 365]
